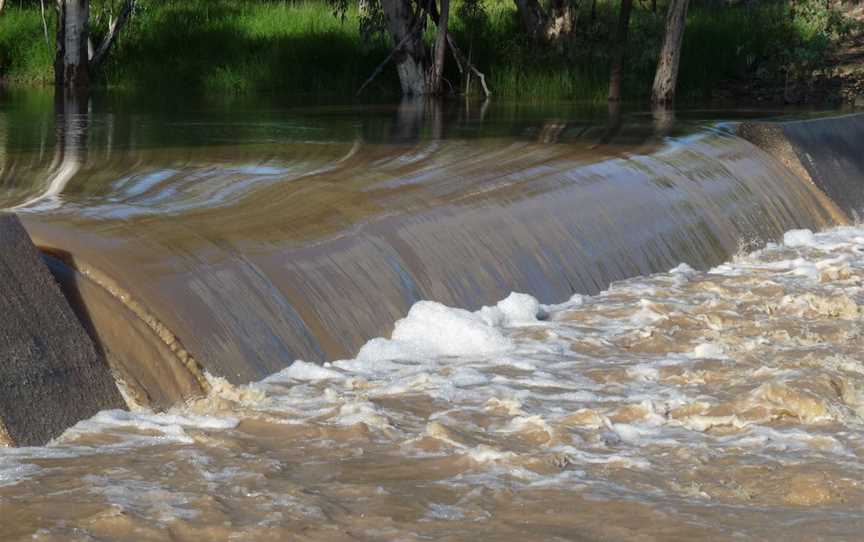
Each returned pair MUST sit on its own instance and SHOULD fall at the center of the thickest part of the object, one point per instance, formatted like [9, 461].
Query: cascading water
[618, 400]
[260, 255]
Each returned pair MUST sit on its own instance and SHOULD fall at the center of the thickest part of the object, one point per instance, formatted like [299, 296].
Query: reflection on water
[265, 237]
[719, 404]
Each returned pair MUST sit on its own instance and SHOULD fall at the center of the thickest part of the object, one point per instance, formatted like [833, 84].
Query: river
[605, 329]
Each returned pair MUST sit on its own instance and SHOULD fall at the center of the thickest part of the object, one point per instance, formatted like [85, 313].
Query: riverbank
[760, 52]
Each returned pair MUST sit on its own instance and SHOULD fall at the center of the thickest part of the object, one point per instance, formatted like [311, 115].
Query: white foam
[301, 370]
[799, 238]
[708, 350]
[166, 426]
[516, 309]
[432, 329]
[594, 373]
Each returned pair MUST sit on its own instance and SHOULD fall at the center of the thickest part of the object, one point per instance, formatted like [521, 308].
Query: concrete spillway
[184, 263]
[50, 376]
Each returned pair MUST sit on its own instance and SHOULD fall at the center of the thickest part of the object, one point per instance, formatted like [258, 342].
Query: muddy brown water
[719, 400]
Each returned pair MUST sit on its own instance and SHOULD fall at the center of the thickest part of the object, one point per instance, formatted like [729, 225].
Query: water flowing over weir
[241, 260]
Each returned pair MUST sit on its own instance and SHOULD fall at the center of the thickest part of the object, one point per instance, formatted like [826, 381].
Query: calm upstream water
[605, 328]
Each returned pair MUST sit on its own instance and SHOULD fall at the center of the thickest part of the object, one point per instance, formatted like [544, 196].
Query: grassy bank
[242, 46]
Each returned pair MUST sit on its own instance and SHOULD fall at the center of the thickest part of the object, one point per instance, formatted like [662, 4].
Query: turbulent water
[721, 404]
[208, 251]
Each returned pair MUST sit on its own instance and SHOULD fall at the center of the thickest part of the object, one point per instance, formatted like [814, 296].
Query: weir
[241, 267]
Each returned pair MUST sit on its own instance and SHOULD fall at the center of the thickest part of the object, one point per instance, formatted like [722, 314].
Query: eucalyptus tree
[666, 77]
[73, 31]
[420, 70]
[76, 57]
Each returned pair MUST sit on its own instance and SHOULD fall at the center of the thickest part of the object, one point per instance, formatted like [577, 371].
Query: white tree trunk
[666, 78]
[71, 63]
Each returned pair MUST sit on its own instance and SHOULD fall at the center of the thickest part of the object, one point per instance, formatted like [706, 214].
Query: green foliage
[242, 46]
[24, 55]
[817, 29]
[327, 47]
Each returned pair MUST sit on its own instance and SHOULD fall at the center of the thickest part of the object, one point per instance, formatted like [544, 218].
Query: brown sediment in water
[742, 439]
[722, 405]
[310, 263]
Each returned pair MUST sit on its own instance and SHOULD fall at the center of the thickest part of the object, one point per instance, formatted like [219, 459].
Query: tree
[543, 26]
[616, 71]
[75, 61]
[419, 72]
[437, 75]
[406, 24]
[73, 26]
[666, 77]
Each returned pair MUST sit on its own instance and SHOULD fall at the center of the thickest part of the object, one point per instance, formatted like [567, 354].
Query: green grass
[218, 46]
[24, 55]
[229, 47]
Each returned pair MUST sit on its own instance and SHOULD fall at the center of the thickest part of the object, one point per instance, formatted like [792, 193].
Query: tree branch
[461, 60]
[114, 28]
[386, 61]
[44, 21]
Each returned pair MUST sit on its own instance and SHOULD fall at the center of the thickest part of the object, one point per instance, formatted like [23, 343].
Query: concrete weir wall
[828, 152]
[51, 376]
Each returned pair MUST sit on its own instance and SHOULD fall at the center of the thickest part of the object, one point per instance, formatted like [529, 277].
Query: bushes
[243, 46]
[24, 55]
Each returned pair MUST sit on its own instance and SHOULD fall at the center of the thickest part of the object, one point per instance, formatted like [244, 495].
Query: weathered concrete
[51, 376]
[829, 152]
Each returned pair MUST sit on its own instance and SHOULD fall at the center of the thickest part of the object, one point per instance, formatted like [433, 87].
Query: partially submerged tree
[421, 71]
[406, 23]
[666, 77]
[76, 57]
[73, 26]
[437, 75]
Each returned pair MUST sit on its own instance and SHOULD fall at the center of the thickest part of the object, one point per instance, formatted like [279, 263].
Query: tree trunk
[619, 46]
[411, 60]
[71, 62]
[666, 78]
[440, 49]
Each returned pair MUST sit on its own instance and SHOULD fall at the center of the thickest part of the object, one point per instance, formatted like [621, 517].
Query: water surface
[628, 397]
